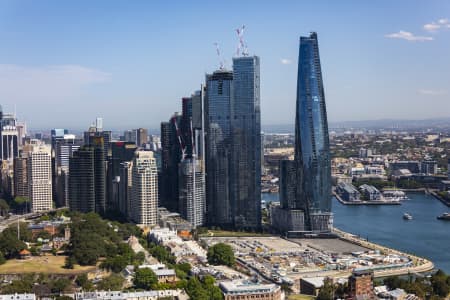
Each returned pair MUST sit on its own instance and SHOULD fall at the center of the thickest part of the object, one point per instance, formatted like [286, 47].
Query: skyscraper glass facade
[312, 150]
[246, 140]
[218, 103]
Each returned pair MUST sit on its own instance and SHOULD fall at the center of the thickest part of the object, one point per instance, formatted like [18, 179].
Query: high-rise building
[120, 152]
[312, 149]
[246, 143]
[87, 172]
[96, 130]
[218, 114]
[81, 180]
[141, 136]
[20, 176]
[192, 191]
[99, 174]
[63, 147]
[144, 189]
[171, 157]
[9, 137]
[39, 178]
[124, 188]
[287, 184]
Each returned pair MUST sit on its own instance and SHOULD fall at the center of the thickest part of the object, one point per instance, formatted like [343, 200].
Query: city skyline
[53, 64]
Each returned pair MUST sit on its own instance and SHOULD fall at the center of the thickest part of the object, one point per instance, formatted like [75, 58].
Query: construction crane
[242, 46]
[221, 61]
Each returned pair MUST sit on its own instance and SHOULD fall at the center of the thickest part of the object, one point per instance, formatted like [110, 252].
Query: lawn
[300, 297]
[41, 264]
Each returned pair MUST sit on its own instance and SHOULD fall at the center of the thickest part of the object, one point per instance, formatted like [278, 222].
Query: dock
[361, 202]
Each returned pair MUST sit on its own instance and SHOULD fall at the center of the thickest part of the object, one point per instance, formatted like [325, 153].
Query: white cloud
[286, 61]
[405, 35]
[429, 92]
[431, 27]
[437, 25]
[48, 84]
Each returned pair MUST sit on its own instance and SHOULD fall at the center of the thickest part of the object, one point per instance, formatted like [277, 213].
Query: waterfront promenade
[420, 265]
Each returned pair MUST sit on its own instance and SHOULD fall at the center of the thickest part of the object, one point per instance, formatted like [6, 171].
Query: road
[5, 223]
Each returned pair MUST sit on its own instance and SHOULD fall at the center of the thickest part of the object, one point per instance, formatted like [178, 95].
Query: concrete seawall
[420, 265]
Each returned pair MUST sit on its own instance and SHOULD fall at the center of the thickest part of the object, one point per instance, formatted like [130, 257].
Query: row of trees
[438, 285]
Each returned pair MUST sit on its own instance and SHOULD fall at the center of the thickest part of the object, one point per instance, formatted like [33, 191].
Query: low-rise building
[370, 193]
[244, 290]
[348, 192]
[311, 285]
[118, 295]
[18, 297]
[361, 285]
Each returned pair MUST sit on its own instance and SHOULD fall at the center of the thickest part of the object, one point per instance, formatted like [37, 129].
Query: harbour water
[424, 235]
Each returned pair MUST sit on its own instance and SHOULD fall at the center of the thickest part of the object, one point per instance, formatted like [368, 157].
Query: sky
[63, 63]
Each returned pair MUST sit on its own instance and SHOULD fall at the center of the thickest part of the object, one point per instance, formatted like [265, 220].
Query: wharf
[377, 202]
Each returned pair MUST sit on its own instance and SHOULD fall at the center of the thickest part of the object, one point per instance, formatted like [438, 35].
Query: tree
[195, 289]
[60, 285]
[213, 291]
[113, 282]
[144, 278]
[4, 207]
[10, 246]
[2, 259]
[69, 262]
[221, 254]
[327, 291]
[83, 282]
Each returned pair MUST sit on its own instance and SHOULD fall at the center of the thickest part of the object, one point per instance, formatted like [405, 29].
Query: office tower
[124, 188]
[144, 189]
[39, 178]
[171, 157]
[57, 134]
[187, 133]
[198, 122]
[129, 136]
[20, 176]
[63, 147]
[120, 152]
[9, 137]
[246, 143]
[287, 184]
[87, 172]
[21, 132]
[82, 180]
[312, 149]
[192, 191]
[141, 136]
[99, 174]
[217, 106]
[96, 130]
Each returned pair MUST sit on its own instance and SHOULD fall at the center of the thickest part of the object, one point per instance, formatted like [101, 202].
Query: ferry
[395, 195]
[407, 216]
[444, 216]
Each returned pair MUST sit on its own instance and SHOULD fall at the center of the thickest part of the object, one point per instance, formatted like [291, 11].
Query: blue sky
[62, 63]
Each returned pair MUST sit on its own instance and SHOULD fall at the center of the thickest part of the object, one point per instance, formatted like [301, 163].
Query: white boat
[407, 216]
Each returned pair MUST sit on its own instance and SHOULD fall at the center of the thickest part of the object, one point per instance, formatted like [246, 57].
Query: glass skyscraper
[218, 103]
[233, 145]
[246, 139]
[312, 149]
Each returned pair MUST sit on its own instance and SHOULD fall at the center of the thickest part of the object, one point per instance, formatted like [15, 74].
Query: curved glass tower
[312, 149]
